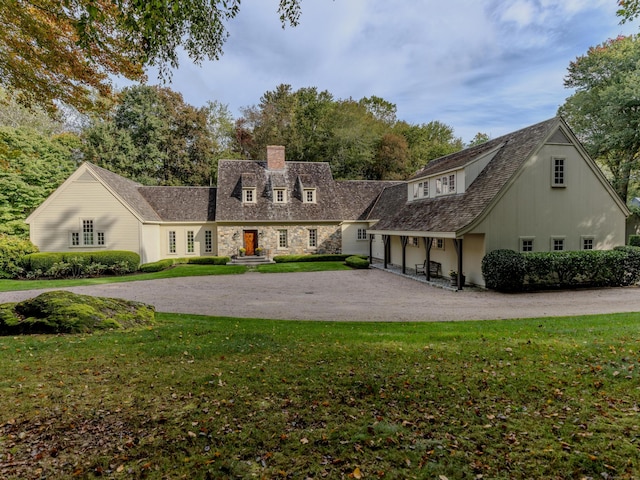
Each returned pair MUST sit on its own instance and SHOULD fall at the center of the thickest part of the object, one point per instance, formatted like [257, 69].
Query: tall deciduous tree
[32, 165]
[427, 141]
[155, 138]
[604, 111]
[628, 10]
[66, 49]
[360, 139]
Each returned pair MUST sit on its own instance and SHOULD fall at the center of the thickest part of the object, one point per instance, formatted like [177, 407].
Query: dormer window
[279, 195]
[309, 195]
[421, 189]
[248, 195]
[446, 184]
[452, 183]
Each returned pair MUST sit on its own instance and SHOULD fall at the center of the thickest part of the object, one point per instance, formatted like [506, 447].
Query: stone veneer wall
[230, 239]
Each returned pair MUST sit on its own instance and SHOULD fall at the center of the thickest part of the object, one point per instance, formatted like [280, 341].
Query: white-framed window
[557, 244]
[587, 242]
[313, 238]
[172, 241]
[558, 172]
[438, 186]
[87, 232]
[248, 195]
[208, 241]
[87, 235]
[362, 234]
[438, 244]
[283, 239]
[416, 189]
[190, 241]
[452, 183]
[526, 244]
[309, 195]
[445, 184]
[425, 189]
[279, 195]
[413, 241]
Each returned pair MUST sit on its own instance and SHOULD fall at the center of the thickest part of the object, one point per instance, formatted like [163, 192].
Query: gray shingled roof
[231, 176]
[451, 213]
[128, 190]
[357, 197]
[182, 204]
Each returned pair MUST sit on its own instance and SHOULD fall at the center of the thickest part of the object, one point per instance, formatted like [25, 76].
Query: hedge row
[320, 257]
[170, 262]
[509, 271]
[77, 264]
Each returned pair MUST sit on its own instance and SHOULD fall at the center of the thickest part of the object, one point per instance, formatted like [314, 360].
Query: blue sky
[489, 66]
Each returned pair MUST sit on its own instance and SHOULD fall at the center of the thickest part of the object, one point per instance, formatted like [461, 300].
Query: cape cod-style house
[532, 190]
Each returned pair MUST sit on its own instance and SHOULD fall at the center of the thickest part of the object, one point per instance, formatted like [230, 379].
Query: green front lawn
[207, 397]
[186, 270]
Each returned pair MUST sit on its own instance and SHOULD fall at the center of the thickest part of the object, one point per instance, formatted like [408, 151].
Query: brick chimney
[275, 157]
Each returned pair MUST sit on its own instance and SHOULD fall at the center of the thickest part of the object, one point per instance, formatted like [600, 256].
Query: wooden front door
[250, 241]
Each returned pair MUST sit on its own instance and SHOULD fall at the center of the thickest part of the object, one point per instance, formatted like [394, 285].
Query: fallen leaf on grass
[304, 440]
[356, 473]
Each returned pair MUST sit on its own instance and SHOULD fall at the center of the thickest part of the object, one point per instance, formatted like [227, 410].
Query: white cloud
[478, 66]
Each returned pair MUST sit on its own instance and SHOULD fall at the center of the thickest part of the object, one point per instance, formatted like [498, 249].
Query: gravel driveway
[368, 295]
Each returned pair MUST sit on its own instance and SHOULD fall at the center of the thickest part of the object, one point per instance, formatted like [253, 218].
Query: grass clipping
[66, 312]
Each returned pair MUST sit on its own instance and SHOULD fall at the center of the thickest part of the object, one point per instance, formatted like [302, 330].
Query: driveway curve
[358, 295]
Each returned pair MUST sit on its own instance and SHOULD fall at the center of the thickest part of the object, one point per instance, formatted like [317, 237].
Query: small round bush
[356, 261]
[156, 266]
[503, 270]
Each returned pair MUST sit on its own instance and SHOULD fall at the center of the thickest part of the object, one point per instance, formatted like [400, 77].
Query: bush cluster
[78, 264]
[509, 271]
[634, 240]
[170, 262]
[319, 257]
[356, 261]
[12, 250]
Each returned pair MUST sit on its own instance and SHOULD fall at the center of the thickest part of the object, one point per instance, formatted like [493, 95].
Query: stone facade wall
[230, 239]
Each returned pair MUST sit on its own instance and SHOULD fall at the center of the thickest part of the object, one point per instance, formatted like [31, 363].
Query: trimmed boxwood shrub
[503, 270]
[170, 262]
[506, 270]
[320, 257]
[209, 260]
[631, 264]
[356, 261]
[157, 266]
[117, 261]
[73, 264]
[634, 240]
[42, 261]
